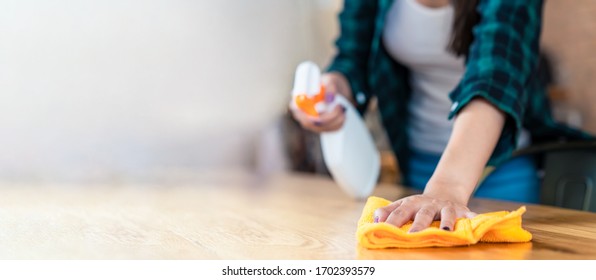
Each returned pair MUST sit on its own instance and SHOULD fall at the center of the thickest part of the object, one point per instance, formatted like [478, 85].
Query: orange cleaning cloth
[502, 226]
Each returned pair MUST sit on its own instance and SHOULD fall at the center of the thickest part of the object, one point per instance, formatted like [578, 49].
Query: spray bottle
[349, 153]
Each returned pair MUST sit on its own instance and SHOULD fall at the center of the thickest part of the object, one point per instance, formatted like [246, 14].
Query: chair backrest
[570, 177]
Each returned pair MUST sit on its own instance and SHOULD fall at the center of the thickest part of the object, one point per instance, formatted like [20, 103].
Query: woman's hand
[423, 209]
[335, 83]
[475, 134]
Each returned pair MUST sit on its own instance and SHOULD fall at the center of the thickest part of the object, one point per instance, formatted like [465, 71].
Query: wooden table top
[234, 216]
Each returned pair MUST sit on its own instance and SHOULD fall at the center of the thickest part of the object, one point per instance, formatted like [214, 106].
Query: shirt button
[454, 106]
[360, 98]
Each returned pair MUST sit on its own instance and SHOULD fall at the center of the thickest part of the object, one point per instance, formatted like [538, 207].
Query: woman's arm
[501, 64]
[476, 131]
[489, 105]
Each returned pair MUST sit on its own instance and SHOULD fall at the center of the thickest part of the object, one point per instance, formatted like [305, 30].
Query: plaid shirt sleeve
[357, 24]
[501, 63]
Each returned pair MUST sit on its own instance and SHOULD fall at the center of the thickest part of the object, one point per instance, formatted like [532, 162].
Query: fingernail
[446, 228]
[317, 123]
[376, 219]
[329, 97]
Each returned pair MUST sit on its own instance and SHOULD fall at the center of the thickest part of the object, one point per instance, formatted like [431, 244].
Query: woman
[457, 91]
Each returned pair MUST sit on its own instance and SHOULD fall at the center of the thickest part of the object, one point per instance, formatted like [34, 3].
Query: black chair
[569, 174]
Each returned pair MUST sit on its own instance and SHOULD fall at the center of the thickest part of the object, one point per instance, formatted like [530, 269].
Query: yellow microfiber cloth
[502, 226]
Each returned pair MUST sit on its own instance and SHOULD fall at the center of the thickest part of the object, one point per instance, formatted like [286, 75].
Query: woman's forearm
[475, 134]
[476, 131]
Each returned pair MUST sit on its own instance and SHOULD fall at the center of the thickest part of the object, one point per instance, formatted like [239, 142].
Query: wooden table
[235, 216]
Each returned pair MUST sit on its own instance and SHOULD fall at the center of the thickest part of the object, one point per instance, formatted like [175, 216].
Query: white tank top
[418, 36]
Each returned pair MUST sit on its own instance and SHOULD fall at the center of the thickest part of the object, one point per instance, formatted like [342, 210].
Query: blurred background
[130, 89]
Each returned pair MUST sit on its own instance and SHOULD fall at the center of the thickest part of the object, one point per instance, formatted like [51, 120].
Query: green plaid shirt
[501, 67]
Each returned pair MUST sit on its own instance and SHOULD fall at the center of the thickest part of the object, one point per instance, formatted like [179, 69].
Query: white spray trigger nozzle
[307, 80]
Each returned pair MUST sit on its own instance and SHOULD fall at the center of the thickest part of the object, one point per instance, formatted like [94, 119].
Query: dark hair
[465, 18]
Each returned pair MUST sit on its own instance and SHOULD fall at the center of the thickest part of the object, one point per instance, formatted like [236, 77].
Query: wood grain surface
[235, 216]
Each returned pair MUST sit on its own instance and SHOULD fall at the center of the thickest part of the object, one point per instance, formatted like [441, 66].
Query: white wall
[96, 89]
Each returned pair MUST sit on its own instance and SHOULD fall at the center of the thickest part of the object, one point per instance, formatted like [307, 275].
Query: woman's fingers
[402, 214]
[337, 83]
[422, 211]
[448, 217]
[306, 121]
[332, 120]
[382, 213]
[327, 121]
[423, 218]
[470, 214]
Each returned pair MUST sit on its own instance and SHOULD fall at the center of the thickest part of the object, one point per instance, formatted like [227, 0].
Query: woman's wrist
[450, 189]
